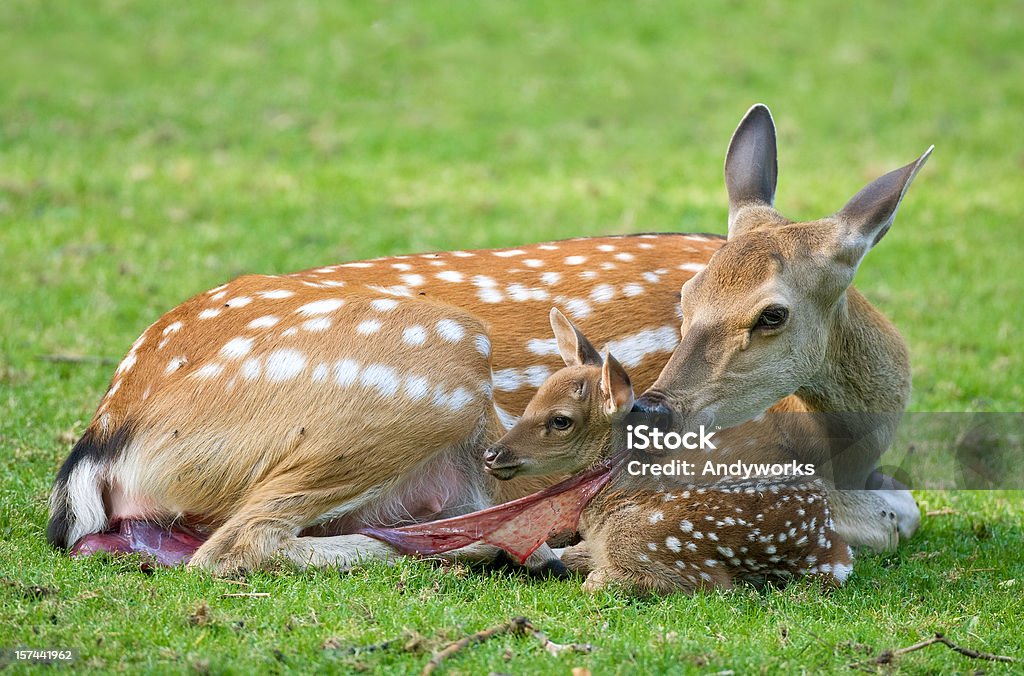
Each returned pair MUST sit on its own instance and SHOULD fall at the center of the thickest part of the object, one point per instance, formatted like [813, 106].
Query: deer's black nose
[491, 454]
[652, 404]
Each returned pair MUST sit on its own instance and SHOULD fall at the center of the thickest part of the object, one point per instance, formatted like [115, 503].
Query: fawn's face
[567, 426]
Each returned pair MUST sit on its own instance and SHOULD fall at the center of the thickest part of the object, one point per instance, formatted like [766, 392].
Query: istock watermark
[942, 451]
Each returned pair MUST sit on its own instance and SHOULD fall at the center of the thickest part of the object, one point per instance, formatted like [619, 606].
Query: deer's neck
[866, 367]
[864, 386]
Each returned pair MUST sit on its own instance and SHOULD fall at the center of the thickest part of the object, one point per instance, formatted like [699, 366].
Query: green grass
[149, 151]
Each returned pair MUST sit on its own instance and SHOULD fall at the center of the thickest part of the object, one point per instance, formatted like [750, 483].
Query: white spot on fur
[490, 295]
[264, 322]
[631, 350]
[402, 266]
[413, 280]
[126, 364]
[209, 370]
[345, 372]
[655, 517]
[320, 373]
[578, 308]
[396, 290]
[414, 335]
[209, 313]
[356, 265]
[380, 377]
[416, 387]
[507, 380]
[284, 364]
[458, 399]
[575, 260]
[175, 364]
[509, 253]
[605, 247]
[520, 293]
[276, 294]
[672, 542]
[631, 290]
[651, 277]
[508, 420]
[483, 345]
[450, 330]
[685, 526]
[462, 254]
[623, 256]
[547, 247]
[533, 263]
[320, 307]
[317, 324]
[542, 347]
[291, 331]
[453, 276]
[236, 348]
[218, 295]
[484, 282]
[251, 369]
[536, 375]
[384, 304]
[551, 278]
[368, 327]
[602, 293]
[692, 267]
[172, 328]
[241, 301]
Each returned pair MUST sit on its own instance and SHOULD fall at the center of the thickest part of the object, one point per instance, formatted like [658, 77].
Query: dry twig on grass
[517, 625]
[250, 595]
[888, 656]
[941, 512]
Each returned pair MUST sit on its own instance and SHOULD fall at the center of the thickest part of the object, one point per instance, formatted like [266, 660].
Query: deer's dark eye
[560, 422]
[772, 317]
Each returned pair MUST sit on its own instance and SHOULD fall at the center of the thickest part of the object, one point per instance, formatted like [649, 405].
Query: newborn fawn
[663, 537]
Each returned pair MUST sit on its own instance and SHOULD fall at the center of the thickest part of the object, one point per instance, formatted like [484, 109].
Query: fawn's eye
[560, 422]
[772, 317]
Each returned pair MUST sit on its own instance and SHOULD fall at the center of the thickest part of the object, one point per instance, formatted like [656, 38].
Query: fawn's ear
[751, 165]
[868, 215]
[574, 347]
[615, 386]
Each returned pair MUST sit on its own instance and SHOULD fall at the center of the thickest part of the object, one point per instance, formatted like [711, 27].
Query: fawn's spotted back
[691, 537]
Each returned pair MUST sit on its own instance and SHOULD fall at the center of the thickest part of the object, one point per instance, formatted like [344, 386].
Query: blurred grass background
[151, 150]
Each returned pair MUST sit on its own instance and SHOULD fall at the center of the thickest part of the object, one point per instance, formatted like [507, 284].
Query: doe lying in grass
[670, 537]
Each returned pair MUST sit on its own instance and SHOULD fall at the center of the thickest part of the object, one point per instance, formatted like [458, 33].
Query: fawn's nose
[501, 462]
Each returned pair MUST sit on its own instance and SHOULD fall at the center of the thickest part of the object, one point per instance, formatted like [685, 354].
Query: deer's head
[567, 426]
[758, 319]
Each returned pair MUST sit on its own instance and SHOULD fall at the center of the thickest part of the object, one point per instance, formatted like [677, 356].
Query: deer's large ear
[616, 390]
[868, 215]
[751, 165]
[574, 347]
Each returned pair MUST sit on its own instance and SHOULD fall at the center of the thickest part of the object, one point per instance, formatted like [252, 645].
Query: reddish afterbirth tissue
[519, 527]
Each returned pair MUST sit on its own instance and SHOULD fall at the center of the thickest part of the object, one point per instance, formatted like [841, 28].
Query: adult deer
[773, 316]
[276, 407]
